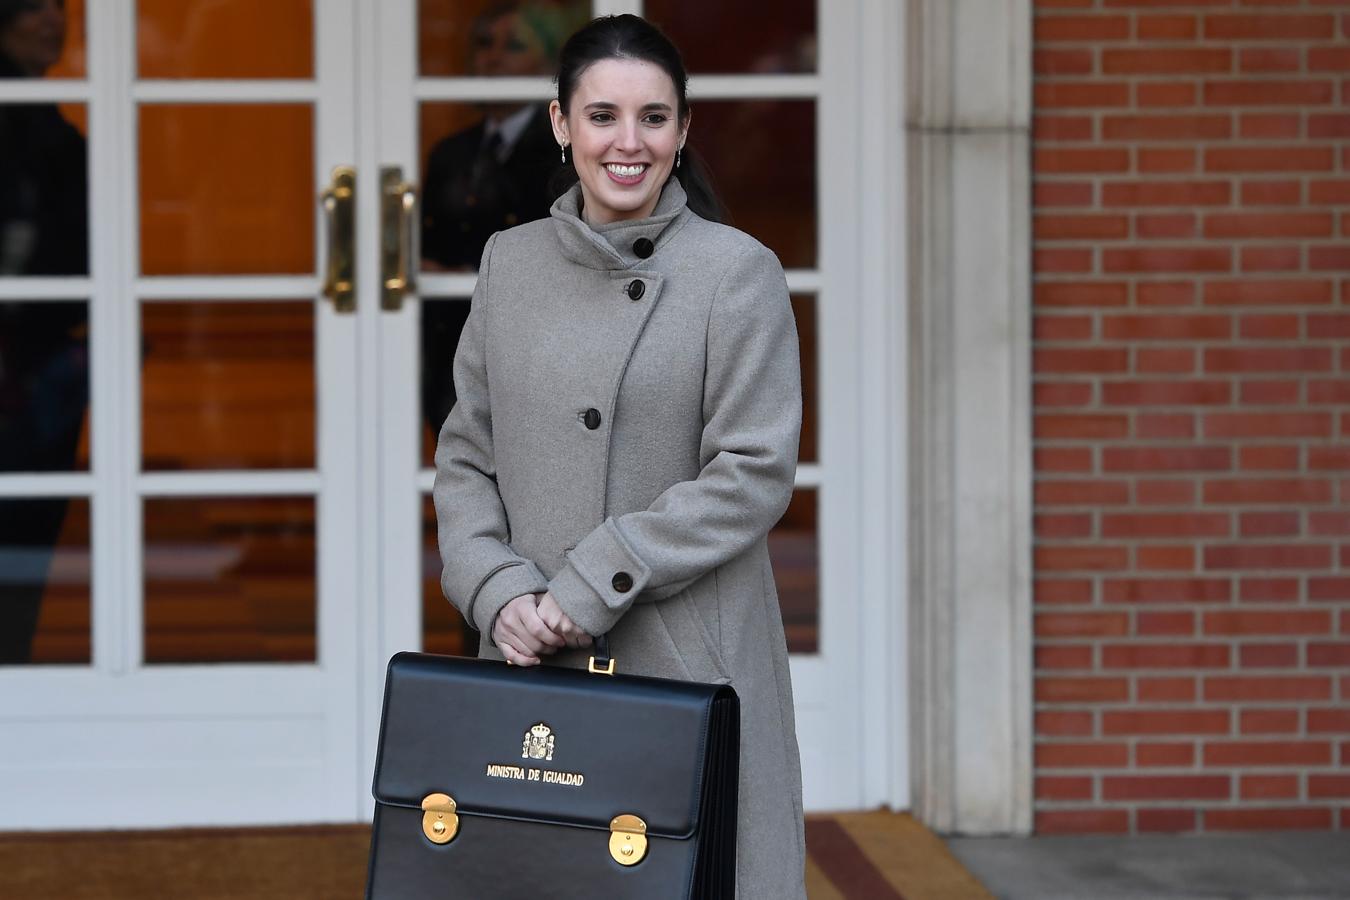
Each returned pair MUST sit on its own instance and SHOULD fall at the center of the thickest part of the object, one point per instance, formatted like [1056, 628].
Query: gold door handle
[339, 209]
[398, 205]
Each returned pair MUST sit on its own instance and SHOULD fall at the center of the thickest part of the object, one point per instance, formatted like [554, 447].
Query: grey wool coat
[628, 448]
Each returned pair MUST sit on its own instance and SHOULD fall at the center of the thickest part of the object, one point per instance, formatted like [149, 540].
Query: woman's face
[34, 38]
[506, 46]
[624, 129]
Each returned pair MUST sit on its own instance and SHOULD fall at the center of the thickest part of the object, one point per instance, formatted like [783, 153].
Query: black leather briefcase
[495, 782]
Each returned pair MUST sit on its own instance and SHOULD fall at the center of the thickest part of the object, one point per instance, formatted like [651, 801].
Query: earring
[564, 152]
[677, 156]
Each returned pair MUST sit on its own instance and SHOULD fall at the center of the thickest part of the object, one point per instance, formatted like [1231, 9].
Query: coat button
[643, 247]
[623, 582]
[591, 418]
[636, 289]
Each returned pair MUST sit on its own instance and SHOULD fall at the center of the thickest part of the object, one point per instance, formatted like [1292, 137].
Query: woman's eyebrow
[605, 104]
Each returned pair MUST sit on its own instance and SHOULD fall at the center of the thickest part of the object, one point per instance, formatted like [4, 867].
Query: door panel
[228, 385]
[766, 172]
[45, 581]
[45, 536]
[223, 187]
[484, 38]
[736, 37]
[230, 579]
[194, 570]
[237, 39]
[442, 322]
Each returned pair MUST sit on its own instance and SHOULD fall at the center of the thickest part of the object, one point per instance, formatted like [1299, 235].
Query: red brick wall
[1192, 414]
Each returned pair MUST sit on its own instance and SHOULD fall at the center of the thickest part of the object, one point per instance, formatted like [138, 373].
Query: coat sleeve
[481, 572]
[752, 411]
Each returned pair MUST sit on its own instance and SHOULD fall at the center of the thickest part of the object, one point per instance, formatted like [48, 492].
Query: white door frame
[883, 351]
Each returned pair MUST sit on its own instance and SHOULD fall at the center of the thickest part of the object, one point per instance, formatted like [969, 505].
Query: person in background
[490, 176]
[494, 174]
[44, 370]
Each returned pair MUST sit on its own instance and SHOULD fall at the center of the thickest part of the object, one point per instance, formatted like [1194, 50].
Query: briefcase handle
[601, 662]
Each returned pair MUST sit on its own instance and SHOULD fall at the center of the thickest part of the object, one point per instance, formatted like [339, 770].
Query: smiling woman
[624, 133]
[623, 110]
[641, 433]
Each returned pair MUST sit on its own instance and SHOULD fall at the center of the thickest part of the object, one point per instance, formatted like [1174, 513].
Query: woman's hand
[558, 622]
[522, 635]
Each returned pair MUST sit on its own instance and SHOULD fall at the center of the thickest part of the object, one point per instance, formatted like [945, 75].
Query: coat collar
[611, 246]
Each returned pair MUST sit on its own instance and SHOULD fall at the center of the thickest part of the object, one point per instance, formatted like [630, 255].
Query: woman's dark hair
[632, 37]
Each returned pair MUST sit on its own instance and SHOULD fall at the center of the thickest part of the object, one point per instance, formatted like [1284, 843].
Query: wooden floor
[878, 856]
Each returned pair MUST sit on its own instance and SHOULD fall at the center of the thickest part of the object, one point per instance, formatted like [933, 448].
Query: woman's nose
[629, 137]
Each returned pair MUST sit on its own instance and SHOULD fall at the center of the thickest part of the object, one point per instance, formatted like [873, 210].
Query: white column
[969, 306]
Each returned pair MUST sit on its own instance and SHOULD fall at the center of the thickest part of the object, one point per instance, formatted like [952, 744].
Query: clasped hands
[532, 626]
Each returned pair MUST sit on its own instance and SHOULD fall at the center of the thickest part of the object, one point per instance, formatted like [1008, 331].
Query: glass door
[766, 117]
[177, 430]
[216, 416]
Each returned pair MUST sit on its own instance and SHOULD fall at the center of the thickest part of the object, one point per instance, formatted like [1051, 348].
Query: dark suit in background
[44, 367]
[476, 184]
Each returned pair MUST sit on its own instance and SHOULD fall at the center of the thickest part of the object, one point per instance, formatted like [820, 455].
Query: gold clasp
[596, 670]
[439, 822]
[627, 840]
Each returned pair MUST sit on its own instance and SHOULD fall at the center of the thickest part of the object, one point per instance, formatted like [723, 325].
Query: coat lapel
[612, 246]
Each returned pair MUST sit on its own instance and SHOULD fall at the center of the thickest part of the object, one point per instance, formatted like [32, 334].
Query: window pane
[493, 38]
[227, 189]
[44, 580]
[42, 38]
[44, 386]
[227, 385]
[442, 322]
[470, 188]
[238, 39]
[230, 580]
[44, 189]
[762, 156]
[794, 548]
[804, 309]
[739, 36]
[443, 628]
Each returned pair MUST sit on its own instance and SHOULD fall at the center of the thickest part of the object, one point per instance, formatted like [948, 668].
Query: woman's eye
[602, 118]
[655, 119]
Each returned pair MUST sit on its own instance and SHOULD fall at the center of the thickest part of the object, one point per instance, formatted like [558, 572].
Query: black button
[623, 582]
[636, 289]
[643, 247]
[592, 418]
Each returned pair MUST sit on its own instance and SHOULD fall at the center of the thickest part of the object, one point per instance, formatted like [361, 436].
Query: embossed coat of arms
[538, 743]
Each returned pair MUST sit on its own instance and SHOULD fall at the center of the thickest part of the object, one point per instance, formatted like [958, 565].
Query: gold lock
[627, 840]
[439, 822]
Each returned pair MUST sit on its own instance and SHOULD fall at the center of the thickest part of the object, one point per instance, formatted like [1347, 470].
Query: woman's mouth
[626, 174]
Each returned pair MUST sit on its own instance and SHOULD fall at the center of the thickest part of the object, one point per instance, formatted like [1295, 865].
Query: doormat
[875, 855]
